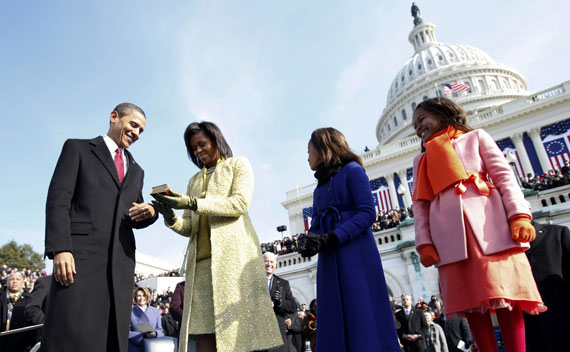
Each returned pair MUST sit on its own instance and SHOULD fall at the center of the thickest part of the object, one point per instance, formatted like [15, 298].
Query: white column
[534, 135]
[403, 174]
[392, 188]
[517, 139]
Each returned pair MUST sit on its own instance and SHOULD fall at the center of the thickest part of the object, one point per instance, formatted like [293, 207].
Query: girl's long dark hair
[450, 112]
[211, 131]
[332, 147]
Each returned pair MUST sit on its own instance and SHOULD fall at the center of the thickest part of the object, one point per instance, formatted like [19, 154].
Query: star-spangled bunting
[506, 146]
[556, 140]
[381, 194]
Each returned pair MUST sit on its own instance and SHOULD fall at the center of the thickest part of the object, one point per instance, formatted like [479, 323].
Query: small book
[162, 189]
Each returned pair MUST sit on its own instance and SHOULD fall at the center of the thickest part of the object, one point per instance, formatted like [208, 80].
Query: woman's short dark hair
[332, 147]
[213, 133]
[450, 112]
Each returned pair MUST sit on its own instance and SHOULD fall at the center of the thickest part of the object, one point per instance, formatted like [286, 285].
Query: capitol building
[532, 128]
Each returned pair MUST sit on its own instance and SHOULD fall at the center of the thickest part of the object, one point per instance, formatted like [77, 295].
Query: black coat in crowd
[415, 323]
[17, 342]
[36, 308]
[549, 257]
[457, 329]
[288, 306]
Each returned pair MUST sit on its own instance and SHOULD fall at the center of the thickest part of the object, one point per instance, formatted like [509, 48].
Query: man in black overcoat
[281, 297]
[94, 201]
[13, 300]
[36, 309]
[457, 329]
[413, 326]
[549, 257]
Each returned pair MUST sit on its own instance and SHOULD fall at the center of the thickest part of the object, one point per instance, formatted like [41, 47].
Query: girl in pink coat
[473, 229]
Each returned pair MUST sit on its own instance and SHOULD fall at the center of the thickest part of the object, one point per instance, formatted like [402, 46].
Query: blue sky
[267, 72]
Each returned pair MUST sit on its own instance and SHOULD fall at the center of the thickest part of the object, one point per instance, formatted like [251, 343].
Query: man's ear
[114, 116]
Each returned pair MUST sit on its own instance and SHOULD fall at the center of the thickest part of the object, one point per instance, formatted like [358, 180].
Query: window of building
[425, 98]
[413, 106]
[419, 66]
[396, 121]
[404, 116]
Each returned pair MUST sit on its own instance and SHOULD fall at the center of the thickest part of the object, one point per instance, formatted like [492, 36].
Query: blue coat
[152, 316]
[353, 309]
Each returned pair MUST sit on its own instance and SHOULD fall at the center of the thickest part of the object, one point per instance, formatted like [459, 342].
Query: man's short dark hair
[126, 108]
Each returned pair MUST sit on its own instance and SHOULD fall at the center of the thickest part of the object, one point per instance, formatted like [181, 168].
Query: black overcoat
[549, 257]
[415, 323]
[87, 214]
[21, 341]
[287, 307]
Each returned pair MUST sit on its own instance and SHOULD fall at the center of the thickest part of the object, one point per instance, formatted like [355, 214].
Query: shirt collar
[111, 145]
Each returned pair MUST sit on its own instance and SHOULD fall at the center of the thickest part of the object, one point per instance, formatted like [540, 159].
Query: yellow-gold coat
[243, 314]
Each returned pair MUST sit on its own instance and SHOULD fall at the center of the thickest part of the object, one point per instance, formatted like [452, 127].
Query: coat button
[318, 196]
[331, 202]
[319, 207]
[328, 189]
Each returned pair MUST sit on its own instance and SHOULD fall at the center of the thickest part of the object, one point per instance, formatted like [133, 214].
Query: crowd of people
[391, 218]
[547, 180]
[384, 220]
[284, 246]
[424, 327]
[141, 277]
[30, 276]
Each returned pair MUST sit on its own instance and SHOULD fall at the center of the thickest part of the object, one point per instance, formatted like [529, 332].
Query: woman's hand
[166, 211]
[428, 255]
[310, 244]
[177, 200]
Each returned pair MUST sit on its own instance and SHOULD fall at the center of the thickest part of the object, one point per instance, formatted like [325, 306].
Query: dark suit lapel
[102, 153]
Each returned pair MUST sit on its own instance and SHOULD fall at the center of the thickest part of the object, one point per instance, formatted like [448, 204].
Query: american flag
[381, 194]
[506, 146]
[449, 88]
[307, 217]
[556, 140]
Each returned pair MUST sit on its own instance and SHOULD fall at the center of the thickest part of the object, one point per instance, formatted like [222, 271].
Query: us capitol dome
[433, 64]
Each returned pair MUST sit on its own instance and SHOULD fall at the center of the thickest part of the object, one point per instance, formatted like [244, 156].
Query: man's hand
[64, 268]
[288, 323]
[276, 297]
[141, 211]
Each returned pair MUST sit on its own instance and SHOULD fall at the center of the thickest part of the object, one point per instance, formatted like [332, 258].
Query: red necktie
[119, 164]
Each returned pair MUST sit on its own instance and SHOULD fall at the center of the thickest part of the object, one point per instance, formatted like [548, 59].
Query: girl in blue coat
[353, 309]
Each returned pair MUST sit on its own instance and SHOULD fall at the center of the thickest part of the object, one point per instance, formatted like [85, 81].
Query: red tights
[512, 329]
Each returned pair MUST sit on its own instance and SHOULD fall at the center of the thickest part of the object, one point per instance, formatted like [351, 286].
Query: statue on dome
[416, 14]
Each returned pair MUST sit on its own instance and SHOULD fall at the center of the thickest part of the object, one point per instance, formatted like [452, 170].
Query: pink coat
[441, 222]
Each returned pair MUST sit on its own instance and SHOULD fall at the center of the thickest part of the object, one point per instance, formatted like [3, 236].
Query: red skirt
[484, 282]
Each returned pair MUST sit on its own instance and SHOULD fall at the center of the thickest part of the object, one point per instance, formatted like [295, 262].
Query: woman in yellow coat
[226, 300]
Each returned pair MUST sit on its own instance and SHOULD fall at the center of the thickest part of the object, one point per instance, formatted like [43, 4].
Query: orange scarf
[440, 166]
